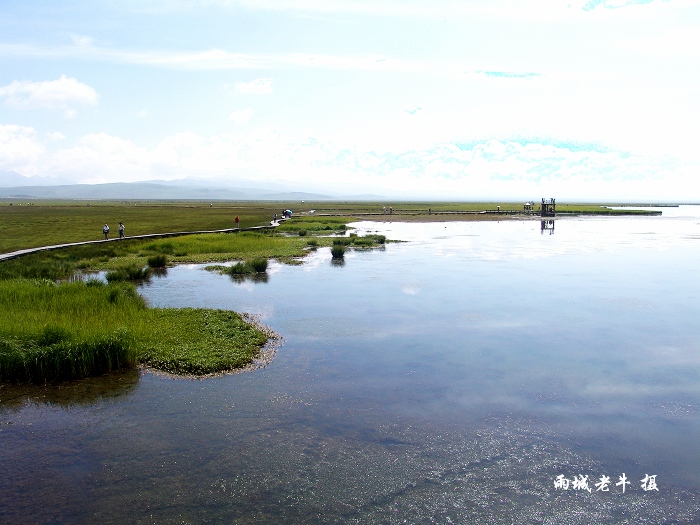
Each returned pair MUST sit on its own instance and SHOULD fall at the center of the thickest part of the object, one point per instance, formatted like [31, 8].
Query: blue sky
[581, 99]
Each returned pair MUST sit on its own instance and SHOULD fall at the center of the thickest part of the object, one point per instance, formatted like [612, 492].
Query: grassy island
[54, 332]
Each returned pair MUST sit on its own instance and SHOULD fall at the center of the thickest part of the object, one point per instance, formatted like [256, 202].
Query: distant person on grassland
[237, 220]
[121, 230]
[105, 230]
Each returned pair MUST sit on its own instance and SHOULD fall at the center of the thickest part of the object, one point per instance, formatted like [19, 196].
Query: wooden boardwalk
[20, 253]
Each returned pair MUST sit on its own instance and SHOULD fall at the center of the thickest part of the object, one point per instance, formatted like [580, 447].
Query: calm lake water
[448, 379]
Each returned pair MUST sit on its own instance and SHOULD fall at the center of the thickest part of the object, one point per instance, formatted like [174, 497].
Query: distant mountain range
[16, 186]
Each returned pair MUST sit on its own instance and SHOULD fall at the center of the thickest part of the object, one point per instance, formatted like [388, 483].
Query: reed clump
[248, 267]
[338, 251]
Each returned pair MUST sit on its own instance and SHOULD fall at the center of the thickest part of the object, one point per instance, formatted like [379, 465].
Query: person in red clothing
[236, 221]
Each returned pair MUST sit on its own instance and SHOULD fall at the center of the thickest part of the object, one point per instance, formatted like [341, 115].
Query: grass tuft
[248, 267]
[131, 272]
[338, 251]
[158, 261]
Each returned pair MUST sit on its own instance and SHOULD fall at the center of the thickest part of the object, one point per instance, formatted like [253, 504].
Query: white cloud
[19, 149]
[98, 158]
[61, 94]
[242, 116]
[260, 86]
[486, 169]
[81, 40]
[437, 9]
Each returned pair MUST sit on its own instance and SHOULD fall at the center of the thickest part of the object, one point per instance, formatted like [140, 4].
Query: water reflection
[547, 226]
[83, 392]
[159, 272]
[260, 277]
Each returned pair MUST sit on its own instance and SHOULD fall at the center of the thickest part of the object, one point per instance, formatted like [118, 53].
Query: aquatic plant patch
[198, 341]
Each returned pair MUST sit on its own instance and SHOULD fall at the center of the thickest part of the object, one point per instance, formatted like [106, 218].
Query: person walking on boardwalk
[236, 221]
[105, 230]
[121, 230]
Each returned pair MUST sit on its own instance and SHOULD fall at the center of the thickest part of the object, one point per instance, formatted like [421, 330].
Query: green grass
[158, 261]
[310, 224]
[130, 272]
[48, 223]
[198, 341]
[51, 332]
[63, 263]
[247, 267]
[338, 251]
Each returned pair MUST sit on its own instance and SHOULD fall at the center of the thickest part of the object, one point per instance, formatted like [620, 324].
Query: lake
[470, 374]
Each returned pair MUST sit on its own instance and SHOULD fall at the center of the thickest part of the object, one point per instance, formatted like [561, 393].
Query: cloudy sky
[468, 99]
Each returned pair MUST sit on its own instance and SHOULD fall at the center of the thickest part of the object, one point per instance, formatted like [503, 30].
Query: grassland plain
[43, 223]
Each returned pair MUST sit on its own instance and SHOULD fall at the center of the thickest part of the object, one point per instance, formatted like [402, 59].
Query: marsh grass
[158, 261]
[131, 272]
[53, 332]
[338, 251]
[314, 225]
[247, 267]
[63, 263]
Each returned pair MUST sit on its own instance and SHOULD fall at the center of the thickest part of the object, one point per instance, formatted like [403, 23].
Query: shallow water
[451, 378]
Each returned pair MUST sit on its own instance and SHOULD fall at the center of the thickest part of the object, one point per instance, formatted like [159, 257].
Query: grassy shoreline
[57, 330]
